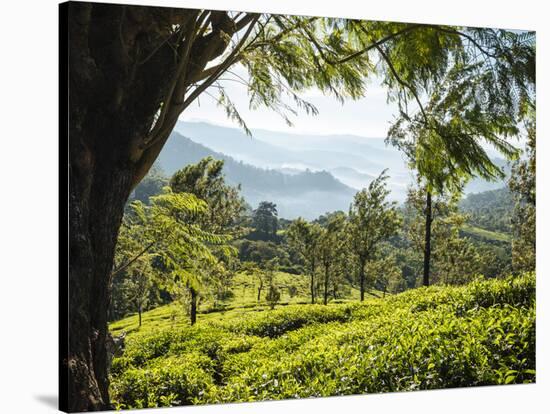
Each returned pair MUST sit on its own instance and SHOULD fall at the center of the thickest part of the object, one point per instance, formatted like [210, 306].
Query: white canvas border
[28, 210]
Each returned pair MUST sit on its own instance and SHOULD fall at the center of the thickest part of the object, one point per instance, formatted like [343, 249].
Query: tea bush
[427, 338]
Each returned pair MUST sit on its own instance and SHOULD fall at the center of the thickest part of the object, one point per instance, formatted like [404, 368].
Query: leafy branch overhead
[486, 76]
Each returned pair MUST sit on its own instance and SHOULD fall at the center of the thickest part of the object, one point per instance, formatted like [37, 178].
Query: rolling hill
[351, 159]
[303, 193]
[305, 175]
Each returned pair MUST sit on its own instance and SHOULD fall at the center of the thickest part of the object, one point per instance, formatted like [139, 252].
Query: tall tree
[206, 180]
[331, 247]
[304, 237]
[455, 259]
[373, 219]
[523, 186]
[265, 220]
[421, 223]
[132, 70]
[430, 202]
[172, 225]
[443, 138]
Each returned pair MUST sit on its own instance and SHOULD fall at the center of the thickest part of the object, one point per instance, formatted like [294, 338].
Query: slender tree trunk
[427, 240]
[193, 305]
[139, 315]
[312, 283]
[325, 297]
[362, 278]
[260, 290]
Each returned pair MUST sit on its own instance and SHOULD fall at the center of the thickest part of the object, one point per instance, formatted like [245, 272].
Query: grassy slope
[426, 338]
[245, 290]
[486, 234]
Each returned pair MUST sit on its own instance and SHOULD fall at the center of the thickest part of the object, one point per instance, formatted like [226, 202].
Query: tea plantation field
[426, 338]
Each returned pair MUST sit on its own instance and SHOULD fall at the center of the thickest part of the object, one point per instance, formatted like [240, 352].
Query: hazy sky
[368, 117]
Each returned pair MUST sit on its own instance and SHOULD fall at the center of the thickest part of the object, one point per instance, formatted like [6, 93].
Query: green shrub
[174, 381]
[427, 338]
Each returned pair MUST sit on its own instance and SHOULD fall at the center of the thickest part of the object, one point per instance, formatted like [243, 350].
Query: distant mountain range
[305, 175]
[301, 193]
[352, 160]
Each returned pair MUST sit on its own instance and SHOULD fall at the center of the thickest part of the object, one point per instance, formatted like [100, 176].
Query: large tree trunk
[427, 240]
[106, 122]
[123, 63]
[99, 185]
[96, 198]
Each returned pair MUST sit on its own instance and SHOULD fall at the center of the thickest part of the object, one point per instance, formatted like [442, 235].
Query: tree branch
[180, 73]
[241, 24]
[222, 67]
[285, 31]
[189, 38]
[175, 108]
[403, 83]
[129, 262]
[364, 50]
[466, 36]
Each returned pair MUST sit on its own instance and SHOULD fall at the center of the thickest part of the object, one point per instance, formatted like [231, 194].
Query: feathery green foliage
[206, 181]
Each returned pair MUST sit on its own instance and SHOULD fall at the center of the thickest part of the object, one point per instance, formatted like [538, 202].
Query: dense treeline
[376, 246]
[490, 210]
